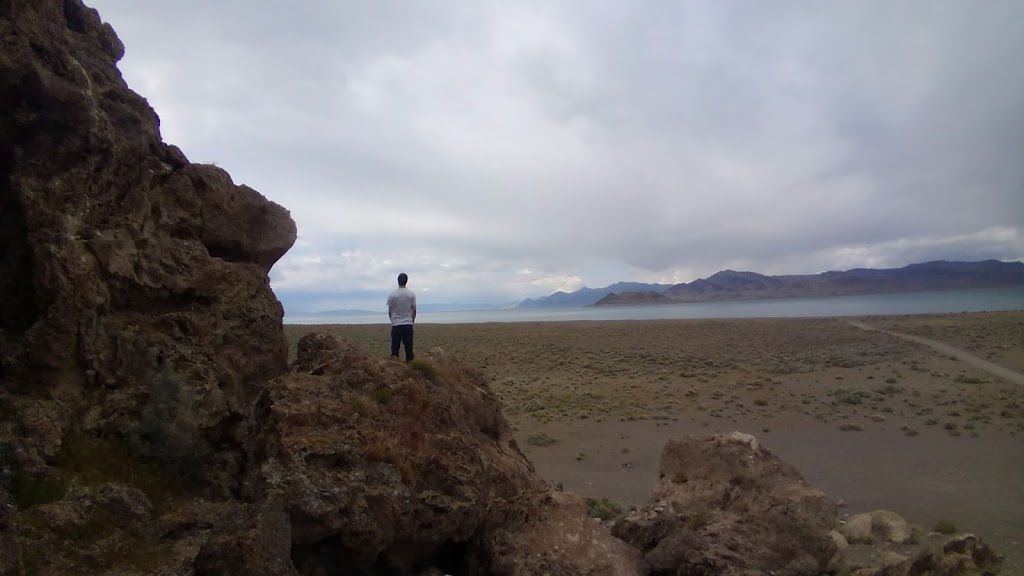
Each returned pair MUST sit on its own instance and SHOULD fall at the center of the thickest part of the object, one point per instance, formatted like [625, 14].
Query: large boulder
[876, 526]
[727, 506]
[130, 279]
[394, 468]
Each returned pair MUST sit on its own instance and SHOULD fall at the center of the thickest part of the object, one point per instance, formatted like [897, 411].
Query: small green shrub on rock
[27, 491]
[383, 395]
[168, 430]
[425, 368]
[602, 508]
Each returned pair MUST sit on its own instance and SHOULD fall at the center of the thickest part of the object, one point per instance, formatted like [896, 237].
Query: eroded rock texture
[390, 469]
[10, 551]
[123, 265]
[727, 506]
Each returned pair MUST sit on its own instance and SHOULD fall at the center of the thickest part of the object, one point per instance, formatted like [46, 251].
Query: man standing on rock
[402, 311]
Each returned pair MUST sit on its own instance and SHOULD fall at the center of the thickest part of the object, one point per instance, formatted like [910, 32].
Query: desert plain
[922, 415]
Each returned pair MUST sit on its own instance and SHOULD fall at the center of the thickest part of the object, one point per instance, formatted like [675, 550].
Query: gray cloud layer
[500, 150]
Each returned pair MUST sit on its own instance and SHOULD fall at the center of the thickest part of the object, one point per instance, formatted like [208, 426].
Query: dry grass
[546, 372]
[603, 508]
[995, 336]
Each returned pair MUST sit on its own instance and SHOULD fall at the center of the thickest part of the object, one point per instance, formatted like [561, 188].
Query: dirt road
[964, 356]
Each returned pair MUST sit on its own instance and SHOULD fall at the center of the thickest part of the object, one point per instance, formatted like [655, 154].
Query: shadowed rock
[122, 262]
[10, 551]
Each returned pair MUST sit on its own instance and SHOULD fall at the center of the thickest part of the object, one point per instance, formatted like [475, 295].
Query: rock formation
[393, 470]
[961, 555]
[123, 264]
[10, 551]
[727, 506]
[883, 543]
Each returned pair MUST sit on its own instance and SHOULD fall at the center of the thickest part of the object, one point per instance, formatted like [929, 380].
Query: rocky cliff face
[123, 264]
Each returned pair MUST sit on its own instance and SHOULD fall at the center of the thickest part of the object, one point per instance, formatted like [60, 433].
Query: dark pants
[402, 335]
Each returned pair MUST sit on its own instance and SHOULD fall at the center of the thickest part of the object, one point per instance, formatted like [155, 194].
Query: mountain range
[587, 296]
[733, 285]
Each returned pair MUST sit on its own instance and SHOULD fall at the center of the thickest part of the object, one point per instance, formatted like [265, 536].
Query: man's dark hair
[403, 279]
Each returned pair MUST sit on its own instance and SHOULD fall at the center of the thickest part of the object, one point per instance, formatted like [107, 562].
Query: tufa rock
[877, 526]
[10, 550]
[961, 555]
[728, 506]
[83, 532]
[368, 466]
[559, 539]
[386, 468]
[255, 540]
[123, 263]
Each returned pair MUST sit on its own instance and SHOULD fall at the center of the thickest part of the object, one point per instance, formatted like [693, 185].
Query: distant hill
[633, 298]
[928, 276]
[587, 296]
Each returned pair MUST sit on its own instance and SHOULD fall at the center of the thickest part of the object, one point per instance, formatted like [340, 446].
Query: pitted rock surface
[726, 505]
[122, 261]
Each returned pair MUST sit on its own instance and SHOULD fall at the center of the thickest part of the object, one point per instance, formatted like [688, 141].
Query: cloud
[466, 142]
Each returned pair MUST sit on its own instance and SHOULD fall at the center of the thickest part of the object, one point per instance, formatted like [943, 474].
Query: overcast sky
[502, 150]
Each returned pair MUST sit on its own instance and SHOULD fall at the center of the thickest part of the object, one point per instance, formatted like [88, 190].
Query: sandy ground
[925, 426]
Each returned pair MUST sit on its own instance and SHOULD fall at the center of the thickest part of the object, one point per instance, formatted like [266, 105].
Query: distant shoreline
[904, 303]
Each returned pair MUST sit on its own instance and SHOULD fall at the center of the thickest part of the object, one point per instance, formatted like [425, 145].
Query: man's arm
[413, 308]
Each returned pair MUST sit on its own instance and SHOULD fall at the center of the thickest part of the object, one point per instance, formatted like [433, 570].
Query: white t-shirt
[400, 305]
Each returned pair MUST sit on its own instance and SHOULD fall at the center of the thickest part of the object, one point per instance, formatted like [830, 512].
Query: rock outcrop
[10, 551]
[391, 469]
[960, 555]
[123, 265]
[728, 506]
[883, 543]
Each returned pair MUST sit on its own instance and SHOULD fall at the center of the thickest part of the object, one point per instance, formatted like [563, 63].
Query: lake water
[994, 299]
